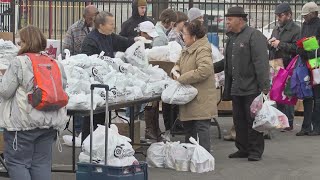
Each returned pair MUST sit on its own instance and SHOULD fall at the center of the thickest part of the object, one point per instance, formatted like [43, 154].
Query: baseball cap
[148, 28]
[308, 8]
[283, 7]
[194, 13]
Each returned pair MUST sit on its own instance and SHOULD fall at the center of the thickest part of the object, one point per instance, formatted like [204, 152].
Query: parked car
[267, 29]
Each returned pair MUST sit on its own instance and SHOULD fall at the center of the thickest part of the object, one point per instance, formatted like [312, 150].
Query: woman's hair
[181, 17]
[101, 18]
[167, 16]
[33, 39]
[195, 28]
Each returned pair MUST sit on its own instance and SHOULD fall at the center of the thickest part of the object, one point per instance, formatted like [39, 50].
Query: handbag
[279, 82]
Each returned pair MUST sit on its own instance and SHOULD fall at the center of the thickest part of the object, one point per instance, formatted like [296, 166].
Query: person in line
[196, 68]
[28, 133]
[195, 13]
[282, 44]
[102, 38]
[310, 27]
[166, 20]
[129, 28]
[246, 70]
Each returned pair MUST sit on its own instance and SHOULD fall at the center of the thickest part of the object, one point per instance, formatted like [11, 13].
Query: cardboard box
[8, 36]
[125, 131]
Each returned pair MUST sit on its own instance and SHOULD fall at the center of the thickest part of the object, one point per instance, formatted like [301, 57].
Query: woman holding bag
[196, 68]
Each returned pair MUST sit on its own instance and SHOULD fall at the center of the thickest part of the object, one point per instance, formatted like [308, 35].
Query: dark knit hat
[142, 3]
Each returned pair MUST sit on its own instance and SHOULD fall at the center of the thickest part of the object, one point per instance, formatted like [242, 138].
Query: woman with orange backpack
[32, 111]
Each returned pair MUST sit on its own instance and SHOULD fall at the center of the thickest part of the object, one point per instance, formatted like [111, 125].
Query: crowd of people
[30, 132]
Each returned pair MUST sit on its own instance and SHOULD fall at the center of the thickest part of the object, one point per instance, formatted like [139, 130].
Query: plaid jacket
[75, 36]
[175, 36]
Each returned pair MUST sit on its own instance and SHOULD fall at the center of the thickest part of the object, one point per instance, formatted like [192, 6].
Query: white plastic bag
[201, 160]
[156, 155]
[177, 93]
[269, 118]
[175, 51]
[169, 161]
[158, 53]
[68, 140]
[135, 55]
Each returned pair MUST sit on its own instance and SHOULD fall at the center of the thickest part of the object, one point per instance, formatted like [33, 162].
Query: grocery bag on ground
[169, 160]
[201, 160]
[136, 55]
[177, 93]
[279, 82]
[182, 155]
[156, 155]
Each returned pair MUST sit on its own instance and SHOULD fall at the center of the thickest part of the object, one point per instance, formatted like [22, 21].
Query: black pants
[97, 119]
[247, 140]
[166, 112]
[198, 128]
[311, 120]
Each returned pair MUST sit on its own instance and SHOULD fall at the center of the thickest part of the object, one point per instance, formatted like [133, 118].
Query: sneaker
[238, 154]
[302, 133]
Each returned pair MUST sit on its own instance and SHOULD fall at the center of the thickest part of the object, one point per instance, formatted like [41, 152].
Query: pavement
[286, 157]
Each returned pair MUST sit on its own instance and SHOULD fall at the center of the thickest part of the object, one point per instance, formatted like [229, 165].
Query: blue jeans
[31, 158]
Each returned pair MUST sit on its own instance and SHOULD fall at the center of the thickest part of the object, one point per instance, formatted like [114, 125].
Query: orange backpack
[48, 93]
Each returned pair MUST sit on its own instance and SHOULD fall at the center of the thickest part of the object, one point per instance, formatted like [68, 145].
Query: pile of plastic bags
[180, 156]
[120, 152]
[126, 82]
[8, 52]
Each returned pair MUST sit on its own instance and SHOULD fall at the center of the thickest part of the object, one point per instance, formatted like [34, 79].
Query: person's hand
[275, 43]
[271, 40]
[175, 72]
[266, 91]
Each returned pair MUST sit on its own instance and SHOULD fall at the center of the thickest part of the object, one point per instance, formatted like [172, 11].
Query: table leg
[73, 146]
[132, 124]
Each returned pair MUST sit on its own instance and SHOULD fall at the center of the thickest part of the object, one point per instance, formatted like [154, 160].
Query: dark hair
[167, 16]
[181, 17]
[33, 39]
[101, 18]
[195, 28]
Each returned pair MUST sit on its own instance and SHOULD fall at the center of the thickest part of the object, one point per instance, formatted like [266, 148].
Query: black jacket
[129, 27]
[95, 42]
[309, 29]
[287, 46]
[250, 65]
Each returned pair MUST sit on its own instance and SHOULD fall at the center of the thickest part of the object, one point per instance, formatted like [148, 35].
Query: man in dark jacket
[100, 39]
[246, 70]
[129, 28]
[310, 27]
[282, 44]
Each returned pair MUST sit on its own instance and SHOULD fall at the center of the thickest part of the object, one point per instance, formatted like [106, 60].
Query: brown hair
[195, 28]
[181, 17]
[101, 18]
[167, 16]
[33, 39]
